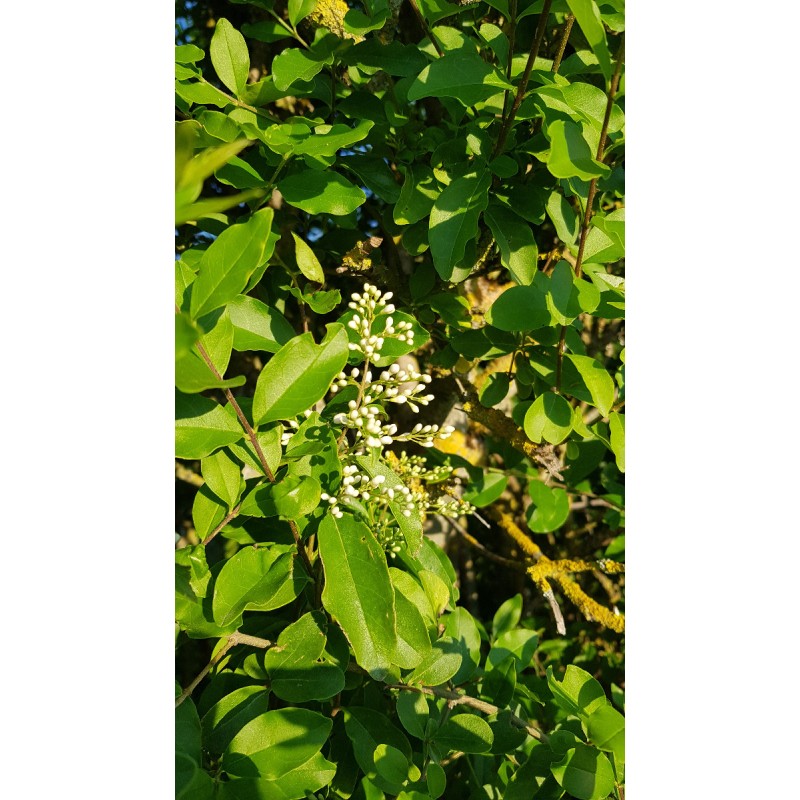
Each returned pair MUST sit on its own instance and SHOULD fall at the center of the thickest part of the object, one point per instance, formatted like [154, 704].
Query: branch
[562, 45]
[251, 435]
[426, 27]
[499, 425]
[458, 699]
[508, 121]
[587, 217]
[234, 639]
[228, 517]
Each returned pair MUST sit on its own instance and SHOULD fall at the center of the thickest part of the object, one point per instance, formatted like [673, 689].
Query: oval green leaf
[549, 417]
[358, 592]
[321, 193]
[275, 743]
[299, 375]
[229, 56]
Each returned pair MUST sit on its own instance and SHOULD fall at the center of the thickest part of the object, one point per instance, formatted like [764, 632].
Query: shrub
[399, 308]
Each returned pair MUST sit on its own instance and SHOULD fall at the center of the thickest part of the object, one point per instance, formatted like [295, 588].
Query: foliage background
[120, 640]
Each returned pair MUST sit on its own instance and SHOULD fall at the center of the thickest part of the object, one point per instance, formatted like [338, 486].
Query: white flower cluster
[358, 486]
[369, 306]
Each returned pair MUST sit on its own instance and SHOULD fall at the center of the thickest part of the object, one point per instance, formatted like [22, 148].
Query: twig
[506, 562]
[251, 435]
[562, 45]
[187, 475]
[234, 639]
[556, 609]
[587, 217]
[523, 84]
[426, 27]
[458, 699]
[228, 517]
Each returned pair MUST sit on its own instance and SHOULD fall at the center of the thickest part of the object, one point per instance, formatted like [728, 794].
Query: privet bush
[399, 406]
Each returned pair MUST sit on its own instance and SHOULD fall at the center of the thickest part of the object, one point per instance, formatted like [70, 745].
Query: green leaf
[570, 296]
[549, 510]
[223, 476]
[295, 672]
[230, 714]
[295, 65]
[454, 222]
[500, 680]
[229, 56]
[391, 764]
[520, 308]
[439, 665]
[465, 732]
[486, 489]
[300, 9]
[420, 190]
[570, 156]
[519, 643]
[207, 511]
[563, 217]
[585, 773]
[596, 379]
[462, 74]
[367, 729]
[257, 578]
[374, 174]
[518, 251]
[310, 776]
[187, 731]
[548, 418]
[587, 15]
[393, 57]
[202, 426]
[358, 592]
[291, 498]
[307, 262]
[495, 389]
[616, 424]
[413, 712]
[578, 692]
[229, 261]
[605, 727]
[321, 193]
[257, 326]
[276, 742]
[413, 643]
[188, 54]
[299, 375]
[460, 626]
[507, 616]
[327, 140]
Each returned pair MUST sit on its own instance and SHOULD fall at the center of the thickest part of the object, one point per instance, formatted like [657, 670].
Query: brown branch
[501, 426]
[426, 27]
[562, 45]
[508, 120]
[183, 473]
[587, 217]
[468, 537]
[251, 435]
[234, 639]
[228, 517]
[458, 699]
